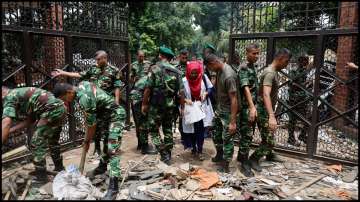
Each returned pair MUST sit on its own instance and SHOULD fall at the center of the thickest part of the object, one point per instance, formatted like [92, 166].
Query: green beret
[166, 51]
[207, 45]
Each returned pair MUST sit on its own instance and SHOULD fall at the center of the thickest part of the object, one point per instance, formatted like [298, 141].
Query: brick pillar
[54, 46]
[345, 53]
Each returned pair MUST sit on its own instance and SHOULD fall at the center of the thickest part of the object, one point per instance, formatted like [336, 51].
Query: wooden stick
[14, 152]
[128, 169]
[83, 157]
[305, 185]
[26, 190]
[7, 196]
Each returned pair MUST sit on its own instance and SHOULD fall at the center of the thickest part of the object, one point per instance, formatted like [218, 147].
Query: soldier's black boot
[113, 189]
[219, 155]
[167, 158]
[40, 175]
[148, 149]
[245, 167]
[255, 163]
[102, 167]
[224, 166]
[139, 145]
[274, 157]
[59, 164]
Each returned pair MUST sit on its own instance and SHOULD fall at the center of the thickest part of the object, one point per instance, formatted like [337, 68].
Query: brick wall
[345, 53]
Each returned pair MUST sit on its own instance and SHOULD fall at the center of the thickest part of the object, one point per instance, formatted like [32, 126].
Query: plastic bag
[70, 185]
[193, 113]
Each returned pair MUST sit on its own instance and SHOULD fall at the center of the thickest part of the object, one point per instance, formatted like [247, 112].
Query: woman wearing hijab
[197, 88]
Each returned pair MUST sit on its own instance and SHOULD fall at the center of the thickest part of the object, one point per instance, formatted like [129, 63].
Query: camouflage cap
[166, 51]
[207, 45]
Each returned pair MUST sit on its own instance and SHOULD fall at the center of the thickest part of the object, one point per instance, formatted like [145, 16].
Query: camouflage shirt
[139, 70]
[29, 101]
[298, 76]
[182, 68]
[248, 77]
[137, 93]
[92, 100]
[107, 78]
[165, 83]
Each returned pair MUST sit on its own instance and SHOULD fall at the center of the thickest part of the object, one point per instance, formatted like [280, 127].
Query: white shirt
[206, 105]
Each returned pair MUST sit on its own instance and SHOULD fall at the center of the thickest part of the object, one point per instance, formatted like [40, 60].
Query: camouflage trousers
[221, 136]
[141, 123]
[102, 131]
[116, 121]
[245, 131]
[295, 98]
[47, 135]
[267, 138]
[164, 118]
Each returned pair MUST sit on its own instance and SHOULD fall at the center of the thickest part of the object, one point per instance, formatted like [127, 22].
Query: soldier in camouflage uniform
[226, 120]
[142, 123]
[248, 94]
[183, 58]
[296, 95]
[106, 77]
[95, 101]
[46, 112]
[267, 97]
[139, 69]
[163, 87]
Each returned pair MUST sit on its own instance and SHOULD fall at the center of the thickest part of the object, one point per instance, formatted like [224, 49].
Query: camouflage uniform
[140, 119]
[49, 112]
[296, 95]
[165, 83]
[267, 138]
[138, 71]
[247, 77]
[107, 78]
[94, 101]
[224, 141]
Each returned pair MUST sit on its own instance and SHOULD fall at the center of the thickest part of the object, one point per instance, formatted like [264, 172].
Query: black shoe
[274, 157]
[302, 137]
[224, 167]
[59, 164]
[139, 146]
[242, 157]
[165, 157]
[219, 155]
[148, 149]
[245, 169]
[293, 142]
[113, 189]
[254, 163]
[40, 175]
[102, 167]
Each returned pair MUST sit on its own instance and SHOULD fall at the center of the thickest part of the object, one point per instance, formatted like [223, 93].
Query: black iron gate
[327, 32]
[41, 36]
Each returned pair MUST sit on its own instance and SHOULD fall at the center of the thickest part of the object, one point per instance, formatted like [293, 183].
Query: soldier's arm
[250, 102]
[233, 109]
[6, 124]
[59, 72]
[21, 125]
[268, 107]
[117, 84]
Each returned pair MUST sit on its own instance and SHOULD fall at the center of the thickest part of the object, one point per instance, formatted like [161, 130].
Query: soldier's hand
[232, 128]
[252, 114]
[351, 65]
[144, 109]
[272, 123]
[57, 72]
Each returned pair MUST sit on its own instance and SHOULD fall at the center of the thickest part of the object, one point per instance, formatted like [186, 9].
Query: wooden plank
[26, 190]
[305, 185]
[7, 196]
[14, 152]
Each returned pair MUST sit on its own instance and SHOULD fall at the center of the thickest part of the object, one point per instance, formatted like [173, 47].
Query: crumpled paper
[71, 185]
[205, 178]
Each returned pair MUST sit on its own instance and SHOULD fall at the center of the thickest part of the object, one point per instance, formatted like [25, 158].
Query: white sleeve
[208, 82]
